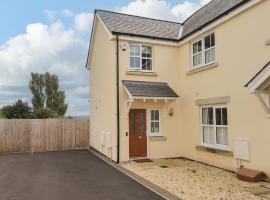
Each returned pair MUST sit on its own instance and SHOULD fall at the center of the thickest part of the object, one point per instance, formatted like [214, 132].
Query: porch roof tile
[149, 89]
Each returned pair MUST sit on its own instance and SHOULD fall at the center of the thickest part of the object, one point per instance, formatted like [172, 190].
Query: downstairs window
[214, 126]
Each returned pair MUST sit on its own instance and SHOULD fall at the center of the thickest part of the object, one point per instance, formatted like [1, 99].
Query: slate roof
[209, 13]
[149, 89]
[141, 26]
[159, 29]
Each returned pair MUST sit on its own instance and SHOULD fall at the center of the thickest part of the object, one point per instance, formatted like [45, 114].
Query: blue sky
[53, 35]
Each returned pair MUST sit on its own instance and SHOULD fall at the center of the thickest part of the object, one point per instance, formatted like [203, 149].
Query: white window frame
[215, 146]
[150, 120]
[202, 52]
[141, 58]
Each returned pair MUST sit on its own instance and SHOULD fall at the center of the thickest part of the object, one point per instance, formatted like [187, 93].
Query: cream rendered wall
[102, 89]
[165, 64]
[241, 52]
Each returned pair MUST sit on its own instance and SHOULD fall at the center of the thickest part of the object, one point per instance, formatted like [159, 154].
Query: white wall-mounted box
[241, 149]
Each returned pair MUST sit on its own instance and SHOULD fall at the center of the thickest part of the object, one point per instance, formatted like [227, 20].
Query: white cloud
[83, 22]
[53, 48]
[203, 2]
[67, 13]
[42, 48]
[161, 9]
[81, 91]
[51, 14]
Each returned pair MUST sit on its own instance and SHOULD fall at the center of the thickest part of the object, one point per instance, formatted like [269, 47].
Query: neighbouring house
[198, 89]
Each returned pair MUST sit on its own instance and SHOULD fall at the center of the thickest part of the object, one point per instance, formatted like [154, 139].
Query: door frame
[147, 129]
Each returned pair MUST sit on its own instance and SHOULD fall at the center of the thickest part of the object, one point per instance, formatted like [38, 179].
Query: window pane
[146, 52]
[157, 115]
[207, 42]
[134, 50]
[149, 52]
[199, 46]
[218, 116]
[208, 116]
[133, 123]
[195, 48]
[209, 55]
[146, 64]
[213, 40]
[134, 63]
[224, 116]
[208, 135]
[152, 115]
[222, 135]
[156, 127]
[142, 124]
[152, 127]
[197, 59]
[204, 115]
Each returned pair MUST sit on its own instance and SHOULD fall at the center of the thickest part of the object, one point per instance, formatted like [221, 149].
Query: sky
[53, 36]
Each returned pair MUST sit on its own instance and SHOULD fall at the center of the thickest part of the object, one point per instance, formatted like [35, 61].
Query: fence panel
[39, 135]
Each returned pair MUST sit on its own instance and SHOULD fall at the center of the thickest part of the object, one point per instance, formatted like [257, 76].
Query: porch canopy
[145, 90]
[260, 86]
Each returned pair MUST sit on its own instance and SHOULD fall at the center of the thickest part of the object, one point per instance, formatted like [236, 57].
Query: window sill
[213, 150]
[210, 66]
[141, 73]
[157, 138]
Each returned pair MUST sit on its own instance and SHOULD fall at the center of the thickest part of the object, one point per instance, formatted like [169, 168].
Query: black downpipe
[117, 94]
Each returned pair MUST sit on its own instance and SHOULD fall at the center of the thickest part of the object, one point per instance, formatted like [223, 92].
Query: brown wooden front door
[137, 133]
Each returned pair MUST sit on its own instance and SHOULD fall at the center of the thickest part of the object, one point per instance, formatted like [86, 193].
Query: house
[197, 89]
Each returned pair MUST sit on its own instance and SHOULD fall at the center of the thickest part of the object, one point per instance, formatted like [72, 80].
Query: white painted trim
[156, 98]
[91, 43]
[140, 69]
[180, 32]
[203, 64]
[221, 20]
[261, 77]
[216, 146]
[137, 39]
[149, 133]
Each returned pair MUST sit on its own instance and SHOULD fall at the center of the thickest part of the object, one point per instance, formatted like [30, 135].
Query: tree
[18, 110]
[47, 97]
[45, 113]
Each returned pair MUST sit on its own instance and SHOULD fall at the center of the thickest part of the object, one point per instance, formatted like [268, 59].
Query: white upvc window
[203, 51]
[154, 121]
[140, 57]
[214, 127]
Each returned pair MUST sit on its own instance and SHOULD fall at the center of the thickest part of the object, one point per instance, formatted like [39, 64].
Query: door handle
[140, 137]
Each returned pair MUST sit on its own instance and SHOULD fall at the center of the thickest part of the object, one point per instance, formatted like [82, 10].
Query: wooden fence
[39, 135]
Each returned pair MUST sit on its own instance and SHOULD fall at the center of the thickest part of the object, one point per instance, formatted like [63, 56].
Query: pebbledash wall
[240, 53]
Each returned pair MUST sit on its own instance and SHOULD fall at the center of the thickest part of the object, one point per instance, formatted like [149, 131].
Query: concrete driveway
[70, 175]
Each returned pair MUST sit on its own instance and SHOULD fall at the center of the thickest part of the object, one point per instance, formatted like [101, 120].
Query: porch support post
[263, 103]
[128, 106]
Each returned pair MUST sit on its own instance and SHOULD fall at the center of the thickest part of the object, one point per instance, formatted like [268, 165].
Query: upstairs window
[140, 57]
[203, 51]
[214, 126]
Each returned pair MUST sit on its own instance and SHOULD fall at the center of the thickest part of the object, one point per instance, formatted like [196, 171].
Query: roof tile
[149, 89]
